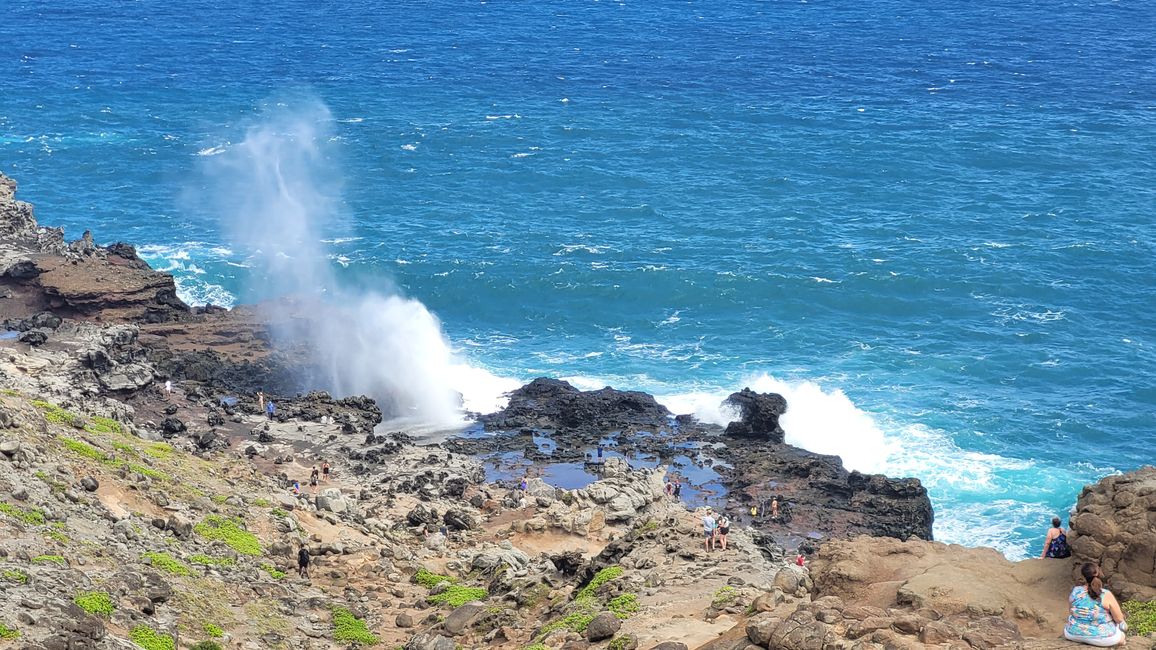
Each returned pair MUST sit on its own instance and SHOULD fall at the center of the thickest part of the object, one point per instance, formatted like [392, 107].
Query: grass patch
[146, 471]
[15, 575]
[108, 426]
[168, 563]
[261, 503]
[429, 579]
[8, 632]
[150, 639]
[574, 621]
[97, 603]
[230, 532]
[57, 536]
[347, 627]
[220, 498]
[277, 512]
[623, 605]
[207, 645]
[30, 516]
[457, 595]
[208, 560]
[1141, 617]
[83, 449]
[214, 631]
[50, 559]
[57, 415]
[599, 579]
[53, 484]
[125, 448]
[159, 450]
[273, 571]
[618, 643]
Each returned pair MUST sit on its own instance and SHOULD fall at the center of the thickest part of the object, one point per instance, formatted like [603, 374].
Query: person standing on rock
[709, 528]
[668, 488]
[775, 509]
[678, 488]
[261, 401]
[325, 471]
[270, 409]
[1056, 542]
[303, 562]
[313, 480]
[168, 389]
[724, 529]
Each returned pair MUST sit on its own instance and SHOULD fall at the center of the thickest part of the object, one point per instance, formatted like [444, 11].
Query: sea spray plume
[278, 196]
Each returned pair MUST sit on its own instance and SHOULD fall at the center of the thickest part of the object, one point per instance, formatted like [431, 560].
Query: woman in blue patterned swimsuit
[1095, 617]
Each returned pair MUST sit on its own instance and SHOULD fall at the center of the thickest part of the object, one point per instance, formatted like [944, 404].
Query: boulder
[1114, 527]
[758, 415]
[461, 618]
[555, 404]
[430, 641]
[603, 626]
[89, 484]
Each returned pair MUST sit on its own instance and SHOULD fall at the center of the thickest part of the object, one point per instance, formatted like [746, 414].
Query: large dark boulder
[555, 404]
[758, 415]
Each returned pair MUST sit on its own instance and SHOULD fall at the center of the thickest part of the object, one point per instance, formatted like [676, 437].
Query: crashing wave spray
[279, 195]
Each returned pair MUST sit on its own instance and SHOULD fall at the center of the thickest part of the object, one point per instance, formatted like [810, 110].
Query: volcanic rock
[555, 404]
[1114, 526]
[759, 415]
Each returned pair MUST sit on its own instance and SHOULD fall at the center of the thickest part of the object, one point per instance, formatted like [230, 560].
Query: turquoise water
[930, 225]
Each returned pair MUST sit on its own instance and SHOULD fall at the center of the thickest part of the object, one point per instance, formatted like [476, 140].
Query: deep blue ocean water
[930, 224]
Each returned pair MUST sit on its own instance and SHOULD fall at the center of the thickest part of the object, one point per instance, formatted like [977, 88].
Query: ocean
[929, 224]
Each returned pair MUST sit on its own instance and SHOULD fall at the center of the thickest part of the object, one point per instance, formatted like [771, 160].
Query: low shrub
[207, 645]
[98, 603]
[599, 579]
[167, 563]
[161, 450]
[429, 579]
[457, 595]
[15, 575]
[623, 605]
[725, 595]
[57, 415]
[619, 643]
[84, 449]
[97, 424]
[273, 571]
[347, 627]
[230, 532]
[8, 632]
[54, 559]
[150, 639]
[261, 503]
[1141, 616]
[30, 516]
[214, 631]
[208, 560]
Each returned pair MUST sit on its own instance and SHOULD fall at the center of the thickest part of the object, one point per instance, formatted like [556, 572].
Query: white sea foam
[213, 151]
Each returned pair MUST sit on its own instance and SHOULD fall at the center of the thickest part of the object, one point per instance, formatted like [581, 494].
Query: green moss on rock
[429, 579]
[457, 595]
[53, 559]
[15, 575]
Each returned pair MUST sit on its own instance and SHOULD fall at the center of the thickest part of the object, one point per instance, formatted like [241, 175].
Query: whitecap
[409, 147]
[824, 280]
[213, 151]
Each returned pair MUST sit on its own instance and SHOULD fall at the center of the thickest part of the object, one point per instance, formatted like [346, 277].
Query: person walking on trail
[724, 529]
[303, 562]
[270, 409]
[313, 480]
[1056, 542]
[709, 528]
[168, 388]
[325, 471]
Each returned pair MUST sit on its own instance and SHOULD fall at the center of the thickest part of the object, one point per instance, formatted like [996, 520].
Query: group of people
[315, 478]
[673, 488]
[266, 405]
[715, 529]
[1094, 614]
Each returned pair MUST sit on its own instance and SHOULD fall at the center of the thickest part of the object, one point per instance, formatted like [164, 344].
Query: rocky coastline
[133, 517]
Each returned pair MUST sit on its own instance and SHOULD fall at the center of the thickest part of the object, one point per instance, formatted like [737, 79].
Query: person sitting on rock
[1095, 617]
[303, 562]
[1056, 543]
[709, 527]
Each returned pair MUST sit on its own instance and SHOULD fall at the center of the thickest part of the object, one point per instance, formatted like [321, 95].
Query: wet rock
[758, 415]
[554, 404]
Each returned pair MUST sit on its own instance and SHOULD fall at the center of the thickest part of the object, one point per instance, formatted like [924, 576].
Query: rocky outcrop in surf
[554, 404]
[758, 415]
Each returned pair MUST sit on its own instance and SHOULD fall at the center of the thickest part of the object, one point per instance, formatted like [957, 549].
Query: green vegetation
[57, 415]
[220, 498]
[208, 560]
[214, 631]
[56, 559]
[124, 448]
[150, 639]
[574, 621]
[207, 645]
[97, 603]
[10, 392]
[623, 605]
[83, 449]
[347, 627]
[430, 579]
[599, 579]
[277, 512]
[145, 470]
[15, 575]
[231, 532]
[273, 571]
[31, 516]
[537, 646]
[97, 424]
[57, 535]
[167, 563]
[8, 632]
[160, 450]
[261, 503]
[457, 595]
[618, 643]
[725, 595]
[55, 485]
[1141, 616]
